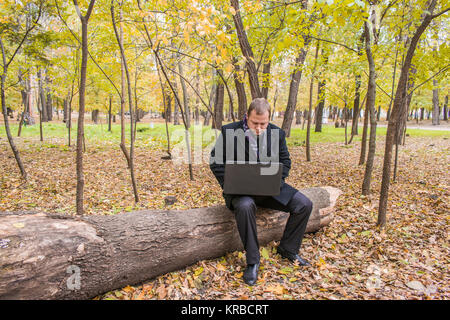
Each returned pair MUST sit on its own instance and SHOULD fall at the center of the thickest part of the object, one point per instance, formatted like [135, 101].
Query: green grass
[157, 134]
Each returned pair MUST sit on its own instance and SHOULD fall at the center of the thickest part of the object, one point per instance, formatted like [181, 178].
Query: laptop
[258, 179]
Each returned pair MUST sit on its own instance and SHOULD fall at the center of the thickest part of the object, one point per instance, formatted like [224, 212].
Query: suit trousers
[299, 208]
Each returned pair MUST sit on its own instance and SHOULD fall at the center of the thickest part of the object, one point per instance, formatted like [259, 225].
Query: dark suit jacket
[218, 169]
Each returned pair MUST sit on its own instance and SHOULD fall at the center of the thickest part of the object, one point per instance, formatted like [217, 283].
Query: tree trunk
[396, 111]
[187, 110]
[445, 108]
[61, 257]
[6, 123]
[41, 105]
[435, 115]
[110, 114]
[362, 156]
[370, 105]
[266, 80]
[80, 129]
[130, 104]
[240, 91]
[275, 97]
[298, 116]
[94, 116]
[293, 90]
[49, 106]
[218, 106]
[247, 52]
[81, 106]
[320, 106]
[356, 106]
[41, 134]
[308, 126]
[176, 107]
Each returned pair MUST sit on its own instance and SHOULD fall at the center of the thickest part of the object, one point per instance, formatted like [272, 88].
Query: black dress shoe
[251, 274]
[292, 257]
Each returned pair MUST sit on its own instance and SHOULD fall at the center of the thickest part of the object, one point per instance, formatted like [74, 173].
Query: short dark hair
[260, 105]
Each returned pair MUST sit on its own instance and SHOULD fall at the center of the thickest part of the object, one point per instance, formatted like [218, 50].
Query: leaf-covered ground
[350, 258]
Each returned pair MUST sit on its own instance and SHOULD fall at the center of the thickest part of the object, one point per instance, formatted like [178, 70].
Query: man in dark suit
[262, 141]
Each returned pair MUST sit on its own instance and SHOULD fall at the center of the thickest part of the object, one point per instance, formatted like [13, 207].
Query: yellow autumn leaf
[221, 267]
[128, 289]
[278, 289]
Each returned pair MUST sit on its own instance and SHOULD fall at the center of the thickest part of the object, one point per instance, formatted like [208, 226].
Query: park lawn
[156, 133]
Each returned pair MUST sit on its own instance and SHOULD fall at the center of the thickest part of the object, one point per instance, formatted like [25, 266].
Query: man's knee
[301, 204]
[244, 206]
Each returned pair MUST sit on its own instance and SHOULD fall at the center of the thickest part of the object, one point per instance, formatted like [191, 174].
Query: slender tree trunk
[345, 114]
[80, 129]
[240, 91]
[320, 106]
[393, 83]
[356, 106]
[81, 94]
[298, 117]
[197, 99]
[165, 106]
[5, 116]
[187, 110]
[275, 97]
[308, 127]
[49, 106]
[293, 89]
[445, 108]
[176, 106]
[435, 115]
[94, 116]
[362, 157]
[246, 52]
[130, 103]
[266, 79]
[25, 99]
[110, 114]
[395, 114]
[370, 105]
[218, 106]
[41, 134]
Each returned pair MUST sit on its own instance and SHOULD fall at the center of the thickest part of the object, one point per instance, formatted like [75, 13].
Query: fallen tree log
[47, 256]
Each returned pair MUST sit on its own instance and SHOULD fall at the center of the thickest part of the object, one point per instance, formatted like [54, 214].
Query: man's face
[258, 122]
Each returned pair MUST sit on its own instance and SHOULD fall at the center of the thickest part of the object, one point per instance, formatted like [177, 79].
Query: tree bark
[110, 114]
[396, 110]
[356, 106]
[130, 104]
[445, 108]
[43, 258]
[435, 115]
[81, 94]
[266, 79]
[187, 110]
[293, 90]
[247, 52]
[240, 91]
[6, 121]
[218, 106]
[362, 156]
[370, 106]
[320, 106]
[94, 116]
[308, 126]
